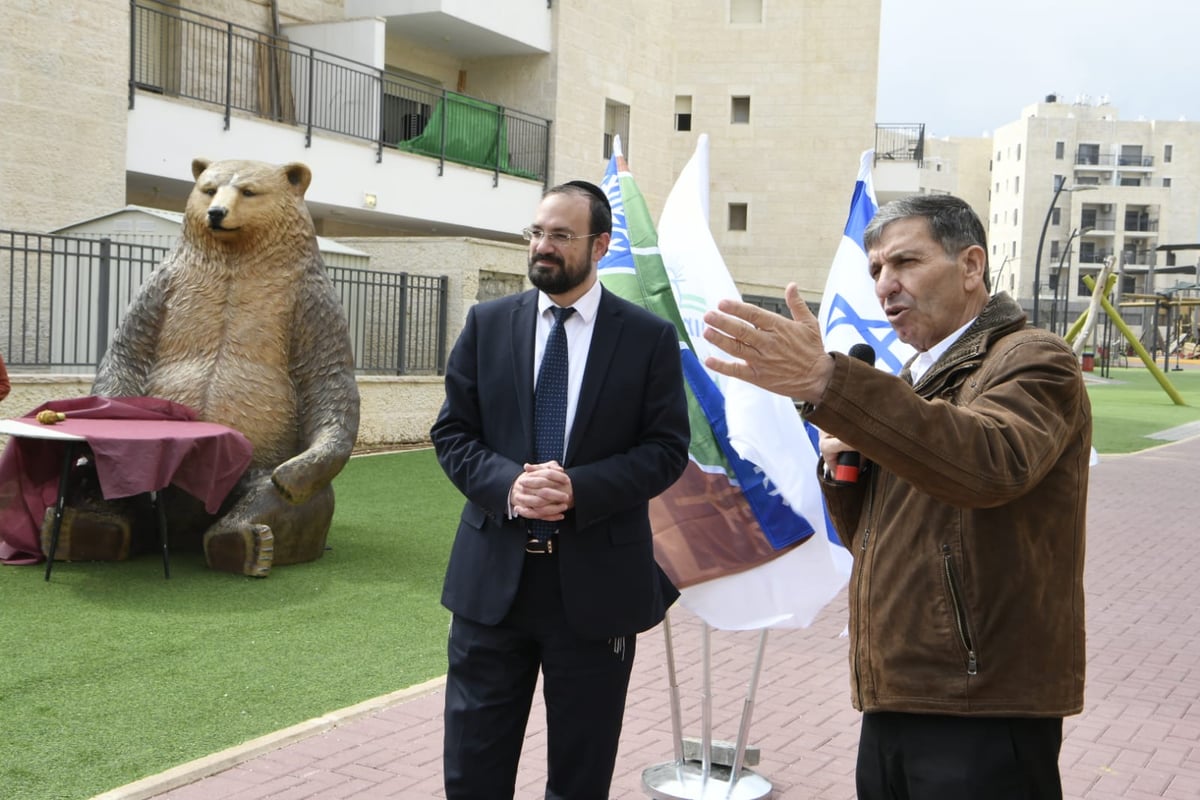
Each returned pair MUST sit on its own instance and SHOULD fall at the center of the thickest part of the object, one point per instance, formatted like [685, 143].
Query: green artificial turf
[112, 673]
[1131, 405]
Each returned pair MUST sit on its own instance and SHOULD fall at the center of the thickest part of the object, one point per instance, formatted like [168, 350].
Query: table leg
[60, 504]
[156, 501]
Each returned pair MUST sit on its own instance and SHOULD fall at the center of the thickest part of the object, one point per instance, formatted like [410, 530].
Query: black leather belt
[542, 547]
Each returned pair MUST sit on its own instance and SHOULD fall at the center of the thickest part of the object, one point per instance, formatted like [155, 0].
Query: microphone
[849, 462]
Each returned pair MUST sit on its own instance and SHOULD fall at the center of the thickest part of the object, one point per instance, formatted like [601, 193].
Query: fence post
[500, 123]
[228, 72]
[443, 302]
[312, 58]
[102, 298]
[402, 327]
[133, 29]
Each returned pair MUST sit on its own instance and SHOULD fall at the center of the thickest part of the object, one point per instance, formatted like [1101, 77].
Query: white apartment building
[106, 103]
[1128, 188]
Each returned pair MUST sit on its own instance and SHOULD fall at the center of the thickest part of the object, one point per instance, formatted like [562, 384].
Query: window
[1088, 154]
[997, 155]
[1087, 252]
[1054, 246]
[1088, 218]
[740, 111]
[1059, 150]
[745, 11]
[683, 112]
[1131, 181]
[1017, 185]
[1168, 151]
[1086, 180]
[1056, 216]
[738, 216]
[616, 123]
[1014, 246]
[1018, 151]
[1014, 216]
[1166, 183]
[995, 217]
[1131, 156]
[1058, 179]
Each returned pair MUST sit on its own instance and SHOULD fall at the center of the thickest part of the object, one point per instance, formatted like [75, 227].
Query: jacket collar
[1001, 316]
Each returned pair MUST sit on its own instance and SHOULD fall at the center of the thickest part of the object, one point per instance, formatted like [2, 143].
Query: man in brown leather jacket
[967, 527]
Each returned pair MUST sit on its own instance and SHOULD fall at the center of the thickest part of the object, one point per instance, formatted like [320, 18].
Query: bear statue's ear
[298, 175]
[198, 167]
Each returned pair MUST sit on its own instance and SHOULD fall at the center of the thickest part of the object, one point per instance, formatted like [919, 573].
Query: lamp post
[1037, 259]
[1064, 260]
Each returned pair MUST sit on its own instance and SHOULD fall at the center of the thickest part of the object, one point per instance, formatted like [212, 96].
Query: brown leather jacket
[967, 530]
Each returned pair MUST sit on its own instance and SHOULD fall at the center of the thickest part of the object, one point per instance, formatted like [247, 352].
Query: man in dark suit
[553, 567]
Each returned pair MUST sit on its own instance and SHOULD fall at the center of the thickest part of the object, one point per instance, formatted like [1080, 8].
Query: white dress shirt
[578, 327]
[928, 358]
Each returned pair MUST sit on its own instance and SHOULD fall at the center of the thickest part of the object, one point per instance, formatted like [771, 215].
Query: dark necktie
[550, 406]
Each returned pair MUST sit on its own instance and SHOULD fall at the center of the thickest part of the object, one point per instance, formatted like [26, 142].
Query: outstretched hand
[782, 355]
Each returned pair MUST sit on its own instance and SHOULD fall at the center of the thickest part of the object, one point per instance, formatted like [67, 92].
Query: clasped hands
[542, 491]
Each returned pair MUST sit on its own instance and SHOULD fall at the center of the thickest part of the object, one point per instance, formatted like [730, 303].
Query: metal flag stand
[683, 779]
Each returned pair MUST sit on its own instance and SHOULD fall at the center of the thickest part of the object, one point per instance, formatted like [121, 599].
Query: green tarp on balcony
[476, 134]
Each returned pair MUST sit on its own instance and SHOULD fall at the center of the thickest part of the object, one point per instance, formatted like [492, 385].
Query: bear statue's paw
[245, 550]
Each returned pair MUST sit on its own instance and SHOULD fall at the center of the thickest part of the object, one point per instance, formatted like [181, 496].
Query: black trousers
[490, 682]
[937, 757]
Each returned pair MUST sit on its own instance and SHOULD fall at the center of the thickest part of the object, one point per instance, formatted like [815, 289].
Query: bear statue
[241, 323]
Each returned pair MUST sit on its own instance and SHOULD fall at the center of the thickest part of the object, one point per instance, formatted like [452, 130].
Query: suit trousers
[941, 757]
[490, 681]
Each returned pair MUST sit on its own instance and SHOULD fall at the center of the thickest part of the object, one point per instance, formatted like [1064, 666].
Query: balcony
[1087, 158]
[899, 156]
[278, 100]
[465, 30]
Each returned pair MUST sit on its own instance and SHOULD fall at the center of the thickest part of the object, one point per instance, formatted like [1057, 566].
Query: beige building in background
[1129, 187]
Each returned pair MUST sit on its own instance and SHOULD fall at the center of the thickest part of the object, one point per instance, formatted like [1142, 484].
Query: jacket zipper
[858, 588]
[960, 616]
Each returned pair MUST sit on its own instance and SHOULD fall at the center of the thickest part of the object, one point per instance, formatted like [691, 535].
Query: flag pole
[676, 719]
[739, 751]
[684, 779]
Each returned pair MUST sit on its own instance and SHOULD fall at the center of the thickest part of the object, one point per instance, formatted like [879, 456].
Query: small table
[132, 455]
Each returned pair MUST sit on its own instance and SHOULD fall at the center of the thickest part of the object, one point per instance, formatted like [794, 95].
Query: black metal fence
[900, 142]
[62, 297]
[179, 53]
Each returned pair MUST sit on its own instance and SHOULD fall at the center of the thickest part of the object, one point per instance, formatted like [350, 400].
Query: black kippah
[593, 190]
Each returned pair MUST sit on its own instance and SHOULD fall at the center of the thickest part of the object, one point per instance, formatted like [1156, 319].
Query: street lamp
[1037, 260]
[1064, 260]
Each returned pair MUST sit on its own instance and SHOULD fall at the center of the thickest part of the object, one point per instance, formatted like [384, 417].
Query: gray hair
[952, 224]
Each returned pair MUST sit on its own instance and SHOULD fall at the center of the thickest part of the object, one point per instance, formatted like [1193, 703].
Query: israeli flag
[850, 312]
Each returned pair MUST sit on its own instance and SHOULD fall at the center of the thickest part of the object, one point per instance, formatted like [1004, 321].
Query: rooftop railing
[900, 142]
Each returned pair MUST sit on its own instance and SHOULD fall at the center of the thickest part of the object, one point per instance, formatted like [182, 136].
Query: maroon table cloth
[140, 444]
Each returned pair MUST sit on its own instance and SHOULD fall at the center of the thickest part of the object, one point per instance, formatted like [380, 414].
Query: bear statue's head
[238, 204]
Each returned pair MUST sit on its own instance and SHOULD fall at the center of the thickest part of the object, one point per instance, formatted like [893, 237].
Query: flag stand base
[686, 781]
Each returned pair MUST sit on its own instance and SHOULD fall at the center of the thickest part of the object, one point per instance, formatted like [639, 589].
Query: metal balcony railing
[64, 296]
[179, 53]
[1087, 158]
[900, 142]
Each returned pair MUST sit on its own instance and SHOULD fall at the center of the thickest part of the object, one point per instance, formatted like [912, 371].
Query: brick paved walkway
[1139, 736]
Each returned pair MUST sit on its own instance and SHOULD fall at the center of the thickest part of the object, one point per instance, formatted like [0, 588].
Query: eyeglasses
[555, 238]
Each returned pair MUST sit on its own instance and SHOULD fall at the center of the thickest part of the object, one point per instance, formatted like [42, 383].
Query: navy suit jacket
[627, 444]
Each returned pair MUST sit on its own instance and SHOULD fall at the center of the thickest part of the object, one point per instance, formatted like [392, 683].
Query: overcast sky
[965, 68]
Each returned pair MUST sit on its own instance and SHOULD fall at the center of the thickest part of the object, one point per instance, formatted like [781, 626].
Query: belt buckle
[540, 547]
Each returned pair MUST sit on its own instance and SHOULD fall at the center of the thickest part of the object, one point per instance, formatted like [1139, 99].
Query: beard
[554, 275]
